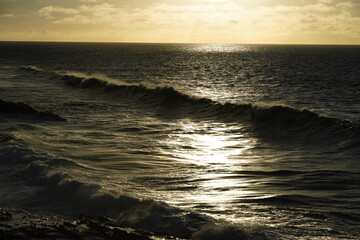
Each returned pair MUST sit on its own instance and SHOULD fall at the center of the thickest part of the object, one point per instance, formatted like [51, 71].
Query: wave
[5, 138]
[32, 68]
[65, 194]
[55, 186]
[284, 200]
[14, 151]
[170, 103]
[31, 225]
[22, 110]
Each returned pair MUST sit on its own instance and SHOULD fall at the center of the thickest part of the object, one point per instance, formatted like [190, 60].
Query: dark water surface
[196, 141]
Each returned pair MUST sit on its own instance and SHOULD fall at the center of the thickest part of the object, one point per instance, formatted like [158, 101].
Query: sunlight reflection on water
[216, 149]
[218, 48]
[209, 143]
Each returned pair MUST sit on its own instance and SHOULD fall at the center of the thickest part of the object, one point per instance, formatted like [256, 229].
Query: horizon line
[199, 43]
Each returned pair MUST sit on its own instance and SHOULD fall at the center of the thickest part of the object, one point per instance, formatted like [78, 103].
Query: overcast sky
[206, 21]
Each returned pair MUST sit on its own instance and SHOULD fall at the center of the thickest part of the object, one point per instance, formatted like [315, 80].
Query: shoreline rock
[20, 224]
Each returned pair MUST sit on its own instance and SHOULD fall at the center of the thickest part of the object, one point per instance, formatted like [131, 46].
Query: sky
[183, 21]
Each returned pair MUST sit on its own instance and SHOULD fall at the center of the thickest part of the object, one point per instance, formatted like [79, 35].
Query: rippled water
[195, 141]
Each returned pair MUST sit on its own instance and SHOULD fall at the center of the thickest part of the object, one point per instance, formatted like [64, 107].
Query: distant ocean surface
[194, 141]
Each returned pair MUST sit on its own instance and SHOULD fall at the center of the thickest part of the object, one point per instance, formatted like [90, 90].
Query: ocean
[194, 141]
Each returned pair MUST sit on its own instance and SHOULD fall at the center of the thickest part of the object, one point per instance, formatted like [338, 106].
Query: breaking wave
[171, 103]
[57, 191]
[56, 186]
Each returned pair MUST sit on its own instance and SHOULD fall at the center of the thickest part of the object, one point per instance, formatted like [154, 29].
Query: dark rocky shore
[23, 225]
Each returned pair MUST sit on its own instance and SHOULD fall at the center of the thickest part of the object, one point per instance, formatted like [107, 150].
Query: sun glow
[189, 21]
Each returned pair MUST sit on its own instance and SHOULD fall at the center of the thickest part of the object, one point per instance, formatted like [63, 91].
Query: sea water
[192, 140]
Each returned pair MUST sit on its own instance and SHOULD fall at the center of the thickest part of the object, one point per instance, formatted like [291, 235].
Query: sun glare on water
[215, 150]
[209, 144]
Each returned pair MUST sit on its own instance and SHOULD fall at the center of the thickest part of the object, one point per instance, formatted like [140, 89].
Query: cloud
[325, 1]
[345, 5]
[79, 19]
[7, 15]
[83, 14]
[212, 1]
[49, 11]
[208, 20]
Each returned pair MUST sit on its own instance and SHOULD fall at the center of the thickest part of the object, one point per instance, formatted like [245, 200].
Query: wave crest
[171, 103]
